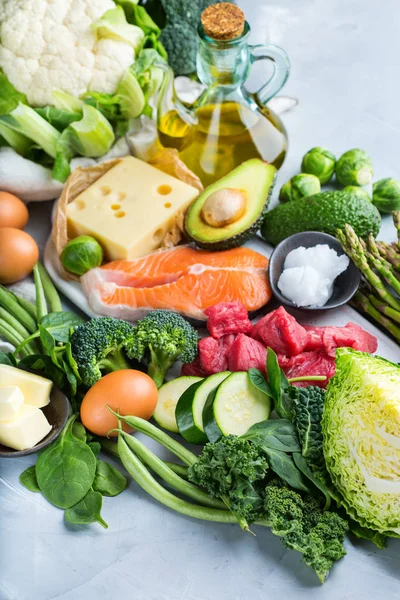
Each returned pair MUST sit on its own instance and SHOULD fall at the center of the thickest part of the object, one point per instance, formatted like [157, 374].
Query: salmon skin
[181, 279]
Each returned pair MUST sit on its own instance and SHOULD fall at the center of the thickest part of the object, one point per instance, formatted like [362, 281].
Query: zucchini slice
[168, 396]
[234, 407]
[189, 410]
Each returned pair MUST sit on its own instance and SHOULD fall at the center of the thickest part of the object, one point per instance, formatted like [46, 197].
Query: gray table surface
[346, 75]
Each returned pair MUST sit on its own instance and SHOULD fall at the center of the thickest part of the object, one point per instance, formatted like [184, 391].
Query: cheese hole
[106, 190]
[164, 190]
[115, 206]
[158, 235]
[121, 196]
[168, 205]
[81, 204]
[120, 214]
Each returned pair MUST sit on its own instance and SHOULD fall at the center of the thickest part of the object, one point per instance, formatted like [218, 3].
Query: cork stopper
[224, 21]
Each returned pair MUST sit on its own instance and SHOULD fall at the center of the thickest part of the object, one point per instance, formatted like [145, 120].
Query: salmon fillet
[168, 265]
[183, 279]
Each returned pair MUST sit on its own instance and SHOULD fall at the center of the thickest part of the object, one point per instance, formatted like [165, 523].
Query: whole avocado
[327, 211]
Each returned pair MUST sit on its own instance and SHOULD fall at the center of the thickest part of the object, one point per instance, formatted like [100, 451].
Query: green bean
[146, 481]
[159, 467]
[9, 302]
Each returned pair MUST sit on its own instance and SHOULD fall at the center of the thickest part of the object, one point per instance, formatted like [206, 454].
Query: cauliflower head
[48, 45]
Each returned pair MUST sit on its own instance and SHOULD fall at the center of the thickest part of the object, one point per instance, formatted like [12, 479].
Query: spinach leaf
[283, 465]
[278, 434]
[66, 469]
[302, 465]
[78, 430]
[108, 480]
[70, 375]
[48, 344]
[284, 399]
[7, 359]
[259, 381]
[87, 510]
[95, 447]
[59, 324]
[28, 479]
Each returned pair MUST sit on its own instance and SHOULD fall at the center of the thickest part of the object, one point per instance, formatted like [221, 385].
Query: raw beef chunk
[246, 353]
[310, 363]
[281, 332]
[350, 336]
[193, 369]
[227, 317]
[315, 335]
[214, 353]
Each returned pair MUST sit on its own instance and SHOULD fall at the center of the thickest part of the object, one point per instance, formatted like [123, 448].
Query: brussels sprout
[354, 168]
[319, 162]
[299, 186]
[386, 195]
[357, 191]
[82, 254]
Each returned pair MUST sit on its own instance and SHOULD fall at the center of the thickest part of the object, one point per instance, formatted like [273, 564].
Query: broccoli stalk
[161, 339]
[98, 347]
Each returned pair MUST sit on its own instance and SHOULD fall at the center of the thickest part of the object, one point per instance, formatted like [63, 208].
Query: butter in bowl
[32, 412]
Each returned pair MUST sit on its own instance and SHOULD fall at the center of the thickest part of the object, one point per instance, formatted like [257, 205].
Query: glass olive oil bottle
[227, 125]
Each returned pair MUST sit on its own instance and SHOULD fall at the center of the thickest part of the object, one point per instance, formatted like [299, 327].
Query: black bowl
[56, 412]
[345, 285]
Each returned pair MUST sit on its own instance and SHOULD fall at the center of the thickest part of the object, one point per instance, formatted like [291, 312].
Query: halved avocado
[231, 210]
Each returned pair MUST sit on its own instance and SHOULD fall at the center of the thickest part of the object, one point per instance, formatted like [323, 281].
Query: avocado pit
[223, 207]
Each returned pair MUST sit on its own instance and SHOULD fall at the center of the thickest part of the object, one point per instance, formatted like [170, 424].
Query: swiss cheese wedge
[129, 209]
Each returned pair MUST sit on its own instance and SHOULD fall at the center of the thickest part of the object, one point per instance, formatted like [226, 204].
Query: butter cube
[129, 209]
[28, 427]
[11, 400]
[35, 389]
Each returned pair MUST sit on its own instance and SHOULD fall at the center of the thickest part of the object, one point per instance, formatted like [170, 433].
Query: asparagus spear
[384, 308]
[396, 221]
[362, 302]
[353, 248]
[390, 254]
[385, 270]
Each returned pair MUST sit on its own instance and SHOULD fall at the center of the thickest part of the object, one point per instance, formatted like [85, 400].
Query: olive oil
[223, 136]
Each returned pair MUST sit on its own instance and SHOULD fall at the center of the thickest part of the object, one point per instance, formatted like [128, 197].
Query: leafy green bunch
[41, 334]
[70, 475]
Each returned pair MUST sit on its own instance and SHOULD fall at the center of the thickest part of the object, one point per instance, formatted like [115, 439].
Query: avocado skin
[327, 212]
[239, 239]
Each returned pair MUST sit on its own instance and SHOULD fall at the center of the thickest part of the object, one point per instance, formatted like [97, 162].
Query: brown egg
[128, 391]
[13, 212]
[18, 254]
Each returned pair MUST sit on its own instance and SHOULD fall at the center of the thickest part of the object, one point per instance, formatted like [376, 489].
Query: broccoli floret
[161, 339]
[179, 20]
[98, 347]
[180, 43]
[230, 469]
[303, 526]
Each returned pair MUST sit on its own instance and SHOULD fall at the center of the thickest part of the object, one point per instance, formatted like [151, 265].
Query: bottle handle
[281, 69]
